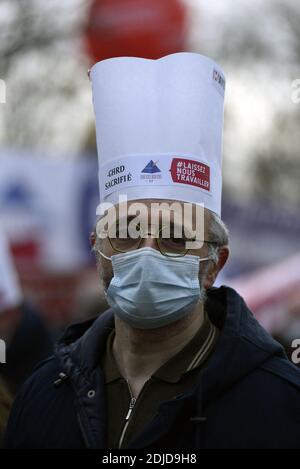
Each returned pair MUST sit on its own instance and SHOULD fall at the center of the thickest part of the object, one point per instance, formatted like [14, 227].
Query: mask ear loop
[204, 259]
[103, 255]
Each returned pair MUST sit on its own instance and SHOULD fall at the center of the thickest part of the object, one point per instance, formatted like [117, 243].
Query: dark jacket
[30, 344]
[247, 397]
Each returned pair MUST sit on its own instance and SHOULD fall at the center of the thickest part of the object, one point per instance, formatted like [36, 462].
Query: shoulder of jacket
[284, 369]
[47, 366]
[45, 372]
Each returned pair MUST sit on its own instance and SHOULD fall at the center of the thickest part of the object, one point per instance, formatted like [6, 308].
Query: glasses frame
[157, 238]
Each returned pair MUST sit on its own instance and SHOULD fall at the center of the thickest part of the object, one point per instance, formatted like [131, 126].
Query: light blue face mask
[150, 290]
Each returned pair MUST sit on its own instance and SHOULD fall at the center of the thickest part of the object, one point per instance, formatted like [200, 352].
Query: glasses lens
[124, 240]
[172, 241]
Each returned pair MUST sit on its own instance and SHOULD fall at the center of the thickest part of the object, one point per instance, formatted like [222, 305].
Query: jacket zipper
[127, 418]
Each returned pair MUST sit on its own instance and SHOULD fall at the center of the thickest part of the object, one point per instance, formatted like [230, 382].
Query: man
[27, 340]
[174, 363]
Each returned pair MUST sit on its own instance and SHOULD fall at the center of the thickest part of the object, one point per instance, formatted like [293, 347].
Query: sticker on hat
[190, 172]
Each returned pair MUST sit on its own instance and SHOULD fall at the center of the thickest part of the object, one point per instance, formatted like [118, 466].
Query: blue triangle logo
[151, 168]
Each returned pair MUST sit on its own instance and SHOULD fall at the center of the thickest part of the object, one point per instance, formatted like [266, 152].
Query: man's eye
[178, 241]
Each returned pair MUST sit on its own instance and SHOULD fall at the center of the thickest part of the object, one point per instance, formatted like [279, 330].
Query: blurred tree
[276, 170]
[266, 32]
[43, 66]
[263, 39]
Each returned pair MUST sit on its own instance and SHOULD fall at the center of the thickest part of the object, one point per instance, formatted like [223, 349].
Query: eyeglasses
[168, 244]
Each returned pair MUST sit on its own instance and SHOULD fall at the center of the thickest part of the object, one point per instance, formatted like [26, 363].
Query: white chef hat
[10, 291]
[159, 128]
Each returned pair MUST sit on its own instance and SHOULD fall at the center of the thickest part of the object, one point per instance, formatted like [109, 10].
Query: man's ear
[92, 239]
[212, 274]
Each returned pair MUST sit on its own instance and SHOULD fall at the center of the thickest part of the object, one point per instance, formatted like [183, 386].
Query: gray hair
[219, 234]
